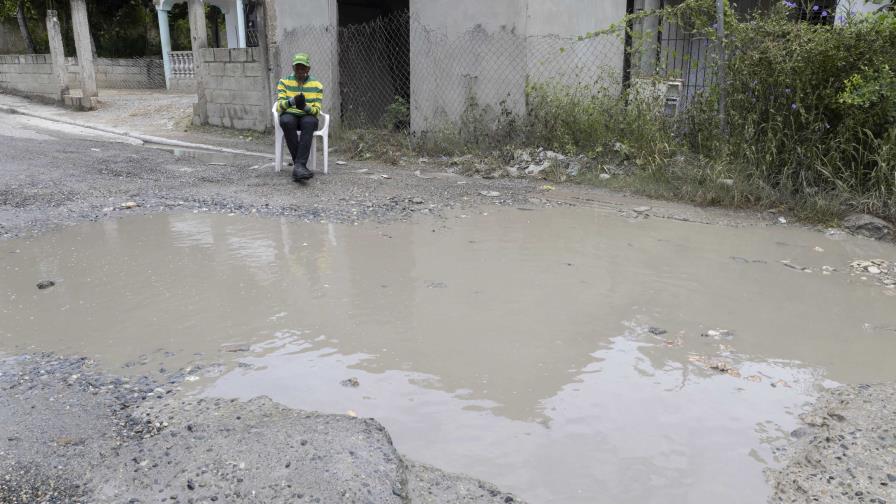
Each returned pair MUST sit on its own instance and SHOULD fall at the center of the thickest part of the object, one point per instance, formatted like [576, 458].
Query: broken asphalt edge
[136, 136]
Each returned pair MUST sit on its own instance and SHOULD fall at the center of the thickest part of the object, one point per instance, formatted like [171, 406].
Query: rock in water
[45, 284]
[351, 382]
[870, 226]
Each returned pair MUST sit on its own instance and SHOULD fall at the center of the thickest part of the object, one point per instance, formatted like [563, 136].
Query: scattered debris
[656, 331]
[351, 382]
[727, 182]
[718, 334]
[417, 201]
[819, 249]
[604, 176]
[362, 170]
[383, 175]
[883, 271]
[547, 187]
[341, 163]
[788, 264]
[720, 366]
[351, 413]
[641, 209]
[782, 220]
[490, 194]
[129, 205]
[45, 284]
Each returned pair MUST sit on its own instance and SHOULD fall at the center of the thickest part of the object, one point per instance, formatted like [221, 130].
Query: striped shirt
[289, 87]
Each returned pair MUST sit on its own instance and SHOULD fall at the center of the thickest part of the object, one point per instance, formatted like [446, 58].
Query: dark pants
[299, 147]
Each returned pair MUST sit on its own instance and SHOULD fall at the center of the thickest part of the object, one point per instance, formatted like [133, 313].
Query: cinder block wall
[29, 75]
[236, 89]
[120, 73]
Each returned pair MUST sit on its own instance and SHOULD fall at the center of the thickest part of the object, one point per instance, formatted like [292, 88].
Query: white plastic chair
[323, 132]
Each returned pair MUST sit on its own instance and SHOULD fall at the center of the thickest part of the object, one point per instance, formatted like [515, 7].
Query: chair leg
[278, 150]
[314, 152]
[326, 154]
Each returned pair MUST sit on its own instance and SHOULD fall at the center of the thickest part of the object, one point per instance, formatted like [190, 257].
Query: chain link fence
[395, 70]
[121, 73]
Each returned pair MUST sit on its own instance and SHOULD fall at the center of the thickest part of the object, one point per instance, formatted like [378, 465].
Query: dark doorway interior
[374, 62]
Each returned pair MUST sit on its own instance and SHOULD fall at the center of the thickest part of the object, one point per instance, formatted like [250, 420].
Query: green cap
[301, 59]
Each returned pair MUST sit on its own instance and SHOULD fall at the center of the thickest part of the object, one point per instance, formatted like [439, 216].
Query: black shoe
[301, 172]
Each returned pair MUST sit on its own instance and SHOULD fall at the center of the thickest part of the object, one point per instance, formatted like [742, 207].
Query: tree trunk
[23, 27]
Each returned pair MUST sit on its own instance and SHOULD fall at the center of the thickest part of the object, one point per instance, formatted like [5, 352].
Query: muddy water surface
[570, 356]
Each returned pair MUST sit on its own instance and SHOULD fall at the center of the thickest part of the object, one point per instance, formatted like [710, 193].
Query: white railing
[182, 64]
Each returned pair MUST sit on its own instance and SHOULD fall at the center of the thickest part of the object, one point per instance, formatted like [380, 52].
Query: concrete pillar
[240, 23]
[199, 41]
[264, 48]
[84, 49]
[165, 36]
[649, 48]
[57, 52]
[230, 25]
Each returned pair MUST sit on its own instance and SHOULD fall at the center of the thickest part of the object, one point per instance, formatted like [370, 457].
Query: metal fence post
[723, 84]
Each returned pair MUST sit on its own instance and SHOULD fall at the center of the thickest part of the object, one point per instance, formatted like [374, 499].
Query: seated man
[299, 98]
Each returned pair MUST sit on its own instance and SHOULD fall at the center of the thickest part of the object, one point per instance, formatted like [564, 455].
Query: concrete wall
[29, 75]
[187, 85]
[236, 89]
[488, 51]
[113, 73]
[465, 50]
[554, 55]
[310, 27]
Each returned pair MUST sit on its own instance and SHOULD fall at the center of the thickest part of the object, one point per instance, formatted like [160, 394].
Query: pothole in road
[567, 355]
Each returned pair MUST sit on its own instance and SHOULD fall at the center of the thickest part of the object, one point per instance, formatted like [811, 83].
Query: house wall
[29, 75]
[466, 51]
[310, 28]
[488, 51]
[236, 89]
[552, 53]
[463, 52]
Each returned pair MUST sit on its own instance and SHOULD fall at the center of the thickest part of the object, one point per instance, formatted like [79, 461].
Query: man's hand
[298, 101]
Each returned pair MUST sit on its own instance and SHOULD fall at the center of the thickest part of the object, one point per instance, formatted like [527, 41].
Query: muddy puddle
[567, 355]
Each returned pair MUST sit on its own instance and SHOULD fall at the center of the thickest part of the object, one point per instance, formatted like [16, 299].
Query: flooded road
[567, 355]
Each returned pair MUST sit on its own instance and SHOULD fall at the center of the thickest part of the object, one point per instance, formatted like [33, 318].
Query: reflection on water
[516, 346]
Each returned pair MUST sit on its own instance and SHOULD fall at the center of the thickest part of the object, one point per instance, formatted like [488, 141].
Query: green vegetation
[120, 28]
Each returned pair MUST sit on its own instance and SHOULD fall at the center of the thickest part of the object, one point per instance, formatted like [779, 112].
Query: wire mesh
[120, 73]
[395, 68]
